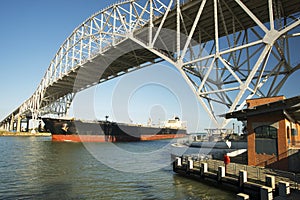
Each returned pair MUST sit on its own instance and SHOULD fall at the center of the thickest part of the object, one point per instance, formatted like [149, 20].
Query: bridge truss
[226, 50]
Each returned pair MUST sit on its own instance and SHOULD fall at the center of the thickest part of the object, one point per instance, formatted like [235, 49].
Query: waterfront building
[273, 131]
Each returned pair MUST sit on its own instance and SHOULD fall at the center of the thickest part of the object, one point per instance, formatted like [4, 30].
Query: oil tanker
[106, 131]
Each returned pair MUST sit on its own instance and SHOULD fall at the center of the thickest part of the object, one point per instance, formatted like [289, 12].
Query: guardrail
[255, 173]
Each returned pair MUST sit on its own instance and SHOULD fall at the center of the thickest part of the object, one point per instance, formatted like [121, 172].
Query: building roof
[289, 107]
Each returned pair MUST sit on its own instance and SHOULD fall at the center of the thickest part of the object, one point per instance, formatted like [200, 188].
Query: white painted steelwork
[226, 50]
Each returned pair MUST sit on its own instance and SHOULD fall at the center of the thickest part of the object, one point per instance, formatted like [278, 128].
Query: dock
[250, 182]
[24, 134]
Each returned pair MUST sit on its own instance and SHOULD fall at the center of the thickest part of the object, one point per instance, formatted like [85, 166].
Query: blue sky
[31, 33]
[33, 30]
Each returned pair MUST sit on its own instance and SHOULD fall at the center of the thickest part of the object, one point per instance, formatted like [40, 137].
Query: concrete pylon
[11, 125]
[19, 123]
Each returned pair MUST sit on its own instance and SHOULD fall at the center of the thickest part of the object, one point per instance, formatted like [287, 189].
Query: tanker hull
[105, 131]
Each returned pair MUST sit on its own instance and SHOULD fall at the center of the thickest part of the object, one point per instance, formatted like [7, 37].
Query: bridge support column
[27, 124]
[19, 124]
[34, 122]
[11, 125]
[7, 126]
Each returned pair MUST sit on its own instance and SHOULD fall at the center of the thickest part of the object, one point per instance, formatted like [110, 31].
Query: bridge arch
[227, 51]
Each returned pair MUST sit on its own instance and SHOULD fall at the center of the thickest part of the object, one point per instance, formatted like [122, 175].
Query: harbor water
[37, 168]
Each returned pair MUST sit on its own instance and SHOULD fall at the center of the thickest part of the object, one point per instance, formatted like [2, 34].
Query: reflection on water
[37, 168]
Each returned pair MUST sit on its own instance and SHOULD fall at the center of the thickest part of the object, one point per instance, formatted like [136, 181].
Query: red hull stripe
[102, 138]
[161, 137]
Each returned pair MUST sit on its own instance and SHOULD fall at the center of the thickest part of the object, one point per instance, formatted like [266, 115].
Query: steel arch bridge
[226, 50]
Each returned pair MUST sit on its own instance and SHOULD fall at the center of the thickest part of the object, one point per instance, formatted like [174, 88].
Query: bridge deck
[114, 61]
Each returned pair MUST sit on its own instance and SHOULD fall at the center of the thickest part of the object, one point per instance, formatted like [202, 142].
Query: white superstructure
[175, 123]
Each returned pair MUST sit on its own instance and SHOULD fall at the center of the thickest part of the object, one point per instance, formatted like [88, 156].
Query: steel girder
[96, 35]
[227, 51]
[238, 59]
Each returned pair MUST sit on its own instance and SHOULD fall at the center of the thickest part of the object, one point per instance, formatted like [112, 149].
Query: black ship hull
[105, 131]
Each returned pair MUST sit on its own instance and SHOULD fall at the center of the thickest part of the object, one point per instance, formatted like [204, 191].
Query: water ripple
[37, 168]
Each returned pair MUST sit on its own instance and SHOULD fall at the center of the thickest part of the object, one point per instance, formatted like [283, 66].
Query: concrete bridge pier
[27, 124]
[3, 126]
[6, 127]
[19, 123]
[35, 122]
[11, 125]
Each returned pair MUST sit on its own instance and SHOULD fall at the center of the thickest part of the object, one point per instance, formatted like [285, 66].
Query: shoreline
[24, 134]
